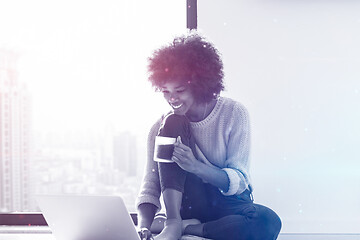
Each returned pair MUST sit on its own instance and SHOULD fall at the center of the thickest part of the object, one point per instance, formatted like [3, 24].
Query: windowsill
[25, 230]
[19, 226]
[27, 219]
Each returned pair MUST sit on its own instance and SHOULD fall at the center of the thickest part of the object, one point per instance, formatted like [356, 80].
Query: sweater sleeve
[237, 162]
[150, 187]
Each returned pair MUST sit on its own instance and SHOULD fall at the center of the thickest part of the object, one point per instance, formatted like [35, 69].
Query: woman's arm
[185, 158]
[146, 213]
[233, 178]
[148, 198]
[213, 175]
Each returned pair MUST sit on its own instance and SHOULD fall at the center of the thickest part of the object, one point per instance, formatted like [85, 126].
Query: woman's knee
[174, 124]
[274, 225]
[176, 119]
[270, 222]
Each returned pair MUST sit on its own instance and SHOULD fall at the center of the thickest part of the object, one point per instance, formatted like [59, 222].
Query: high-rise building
[125, 157]
[15, 125]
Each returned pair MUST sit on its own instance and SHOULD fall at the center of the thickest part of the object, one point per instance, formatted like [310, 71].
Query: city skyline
[84, 75]
[71, 162]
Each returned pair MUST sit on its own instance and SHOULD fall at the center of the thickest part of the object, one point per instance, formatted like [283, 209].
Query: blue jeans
[224, 217]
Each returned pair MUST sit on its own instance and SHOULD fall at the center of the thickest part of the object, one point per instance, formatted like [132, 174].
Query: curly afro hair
[192, 60]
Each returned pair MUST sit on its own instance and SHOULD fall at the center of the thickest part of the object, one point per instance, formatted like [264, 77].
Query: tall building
[125, 157]
[15, 124]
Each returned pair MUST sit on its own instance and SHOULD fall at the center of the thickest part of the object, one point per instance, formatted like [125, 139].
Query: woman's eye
[180, 91]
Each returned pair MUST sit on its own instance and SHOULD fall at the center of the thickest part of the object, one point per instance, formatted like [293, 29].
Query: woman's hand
[145, 234]
[184, 156]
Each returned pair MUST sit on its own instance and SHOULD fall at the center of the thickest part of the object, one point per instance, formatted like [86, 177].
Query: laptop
[78, 217]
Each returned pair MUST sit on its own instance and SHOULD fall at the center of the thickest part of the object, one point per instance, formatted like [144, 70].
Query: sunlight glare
[85, 62]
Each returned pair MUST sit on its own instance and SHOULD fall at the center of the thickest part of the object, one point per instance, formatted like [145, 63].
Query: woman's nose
[172, 98]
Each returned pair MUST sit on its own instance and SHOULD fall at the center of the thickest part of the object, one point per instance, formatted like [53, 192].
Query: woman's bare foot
[158, 224]
[171, 231]
[193, 227]
[188, 222]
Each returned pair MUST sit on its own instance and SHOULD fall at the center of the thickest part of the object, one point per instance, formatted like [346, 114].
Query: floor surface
[43, 233]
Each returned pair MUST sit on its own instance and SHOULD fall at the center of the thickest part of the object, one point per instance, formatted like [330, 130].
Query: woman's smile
[178, 96]
[176, 106]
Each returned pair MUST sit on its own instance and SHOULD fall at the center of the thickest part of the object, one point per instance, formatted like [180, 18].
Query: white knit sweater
[222, 140]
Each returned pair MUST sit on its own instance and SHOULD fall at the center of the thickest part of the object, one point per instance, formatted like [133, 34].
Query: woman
[207, 189]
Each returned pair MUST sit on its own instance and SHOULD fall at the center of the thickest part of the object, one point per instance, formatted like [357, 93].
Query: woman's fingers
[181, 147]
[176, 157]
[145, 234]
[182, 151]
[178, 150]
[179, 143]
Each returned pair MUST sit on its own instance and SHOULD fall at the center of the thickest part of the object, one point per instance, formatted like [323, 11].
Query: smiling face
[179, 97]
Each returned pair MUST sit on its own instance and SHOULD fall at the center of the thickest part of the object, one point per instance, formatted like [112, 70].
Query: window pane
[75, 104]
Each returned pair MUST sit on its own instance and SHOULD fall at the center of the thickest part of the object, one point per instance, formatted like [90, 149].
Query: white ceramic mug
[164, 148]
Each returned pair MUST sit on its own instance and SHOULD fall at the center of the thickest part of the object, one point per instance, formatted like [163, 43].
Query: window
[293, 64]
[78, 87]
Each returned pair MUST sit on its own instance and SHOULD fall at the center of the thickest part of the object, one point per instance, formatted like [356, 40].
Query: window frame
[37, 218]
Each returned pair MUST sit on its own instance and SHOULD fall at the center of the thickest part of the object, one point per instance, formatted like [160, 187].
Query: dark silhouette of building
[125, 157]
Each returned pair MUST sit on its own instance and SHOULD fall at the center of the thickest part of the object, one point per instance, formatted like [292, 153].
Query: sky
[84, 62]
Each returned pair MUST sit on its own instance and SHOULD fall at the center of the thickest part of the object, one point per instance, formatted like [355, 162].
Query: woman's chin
[179, 111]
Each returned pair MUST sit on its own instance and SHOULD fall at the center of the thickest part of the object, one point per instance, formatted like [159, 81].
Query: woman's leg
[256, 222]
[239, 218]
[195, 206]
[226, 217]
[172, 177]
[195, 199]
